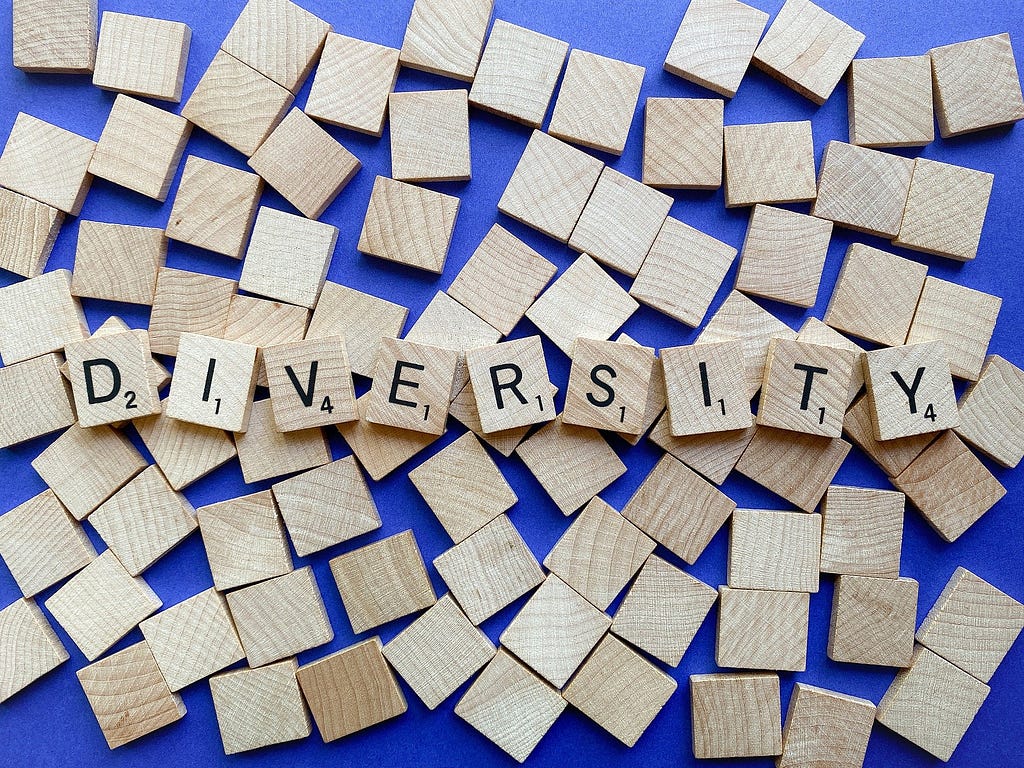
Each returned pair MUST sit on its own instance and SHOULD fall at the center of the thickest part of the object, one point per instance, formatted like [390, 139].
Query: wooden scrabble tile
[517, 73]
[35, 400]
[244, 540]
[891, 102]
[129, 696]
[264, 324]
[608, 385]
[118, 262]
[713, 455]
[259, 707]
[188, 302]
[656, 398]
[352, 83]
[464, 409]
[158, 374]
[310, 383]
[989, 412]
[797, 467]
[808, 49]
[873, 621]
[184, 452]
[439, 652]
[430, 135]
[445, 36]
[279, 39]
[101, 604]
[27, 233]
[236, 104]
[774, 550]
[876, 295]
[769, 163]
[714, 44]
[142, 56]
[972, 624]
[193, 639]
[825, 727]
[39, 316]
[110, 378]
[694, 374]
[736, 715]
[512, 381]
[961, 318]
[265, 452]
[814, 331]
[932, 704]
[550, 186]
[29, 648]
[54, 37]
[862, 531]
[891, 456]
[976, 85]
[945, 210]
[213, 383]
[379, 448]
[910, 389]
[489, 569]
[683, 143]
[411, 381]
[762, 629]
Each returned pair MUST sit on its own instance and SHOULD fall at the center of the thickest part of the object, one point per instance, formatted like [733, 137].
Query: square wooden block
[259, 707]
[35, 400]
[769, 163]
[110, 378]
[381, 449]
[911, 390]
[265, 452]
[517, 73]
[310, 383]
[213, 383]
[988, 412]
[264, 324]
[29, 232]
[814, 331]
[29, 648]
[655, 403]
[891, 102]
[891, 456]
[841, 743]
[412, 386]
[352, 83]
[184, 452]
[976, 85]
[430, 135]
[862, 531]
[945, 210]
[409, 225]
[608, 385]
[705, 388]
[762, 629]
[118, 262]
[142, 56]
[54, 38]
[736, 715]
[873, 621]
[445, 36]
[187, 302]
[713, 455]
[774, 550]
[808, 49]
[683, 141]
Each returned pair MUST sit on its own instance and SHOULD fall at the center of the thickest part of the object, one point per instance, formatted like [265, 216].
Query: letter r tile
[510, 381]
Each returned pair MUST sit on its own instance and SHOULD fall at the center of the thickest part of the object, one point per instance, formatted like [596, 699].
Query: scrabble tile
[713, 455]
[193, 639]
[110, 378]
[774, 550]
[430, 135]
[911, 390]
[876, 295]
[29, 648]
[797, 467]
[989, 412]
[352, 82]
[402, 367]
[945, 210]
[762, 629]
[259, 707]
[808, 49]
[35, 400]
[142, 56]
[244, 540]
[264, 324]
[445, 36]
[439, 652]
[464, 410]
[184, 452]
[769, 163]
[280, 617]
[976, 85]
[608, 385]
[683, 142]
[678, 508]
[187, 302]
[891, 456]
[101, 604]
[279, 39]
[694, 374]
[502, 279]
[654, 404]
[932, 704]
[550, 186]
[158, 374]
[52, 37]
[825, 727]
[891, 102]
[213, 383]
[236, 104]
[288, 257]
[736, 715]
[512, 381]
[310, 383]
[861, 531]
[511, 706]
[873, 621]
[27, 234]
[379, 448]
[264, 452]
[489, 569]
[714, 44]
[783, 255]
[128, 695]
[814, 331]
[517, 73]
[39, 316]
[118, 262]
[47, 163]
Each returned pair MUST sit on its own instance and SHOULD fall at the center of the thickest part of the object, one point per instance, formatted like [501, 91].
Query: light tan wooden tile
[910, 389]
[891, 456]
[430, 135]
[118, 262]
[157, 373]
[244, 540]
[264, 452]
[379, 448]
[891, 102]
[694, 375]
[683, 141]
[862, 531]
[762, 629]
[654, 405]
[110, 378]
[39, 316]
[814, 331]
[825, 727]
[412, 386]
[29, 648]
[213, 383]
[990, 411]
[352, 83]
[713, 455]
[608, 385]
[774, 550]
[736, 715]
[310, 383]
[51, 37]
[28, 233]
[873, 621]
[445, 36]
[142, 56]
[769, 163]
[187, 302]
[35, 400]
[184, 452]
[464, 409]
[263, 323]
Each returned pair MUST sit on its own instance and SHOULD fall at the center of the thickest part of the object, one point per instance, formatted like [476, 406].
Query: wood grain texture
[35, 400]
[29, 648]
[184, 452]
[769, 163]
[608, 385]
[774, 550]
[683, 143]
[118, 262]
[379, 448]
[187, 302]
[430, 135]
[726, 407]
[263, 323]
[891, 102]
[213, 382]
[445, 36]
[762, 629]
[123, 366]
[814, 331]
[310, 383]
[264, 452]
[54, 36]
[713, 455]
[891, 456]
[655, 403]
[142, 56]
[412, 386]
[28, 230]
[990, 412]
[825, 728]
[736, 715]
[465, 410]
[862, 531]
[910, 389]
[39, 316]
[873, 621]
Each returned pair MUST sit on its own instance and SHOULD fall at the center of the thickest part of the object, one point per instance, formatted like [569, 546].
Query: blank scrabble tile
[608, 385]
[517, 73]
[910, 389]
[352, 82]
[932, 704]
[244, 540]
[976, 85]
[990, 412]
[29, 648]
[379, 448]
[714, 44]
[110, 378]
[438, 652]
[236, 104]
[774, 550]
[873, 621]
[213, 383]
[29, 231]
[762, 629]
[891, 456]
[279, 39]
[54, 37]
[678, 508]
[142, 56]
[949, 486]
[39, 316]
[814, 331]
[310, 383]
[408, 224]
[550, 186]
[118, 262]
[129, 696]
[876, 295]
[891, 102]
[808, 49]
[683, 142]
[655, 401]
[193, 639]
[188, 302]
[826, 728]
[281, 617]
[412, 386]
[783, 255]
[35, 400]
[945, 210]
[430, 135]
[184, 452]
[713, 455]
[705, 388]
[861, 531]
[445, 36]
[736, 715]
[264, 324]
[264, 452]
[769, 163]
[259, 707]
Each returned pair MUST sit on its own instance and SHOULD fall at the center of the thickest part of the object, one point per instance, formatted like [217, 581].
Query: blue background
[50, 723]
